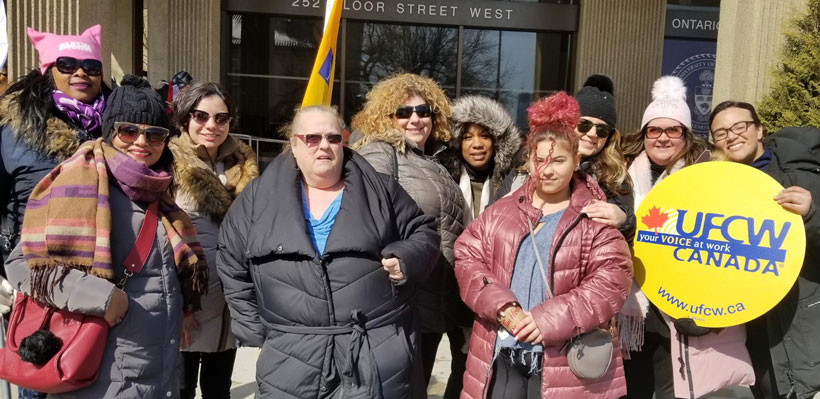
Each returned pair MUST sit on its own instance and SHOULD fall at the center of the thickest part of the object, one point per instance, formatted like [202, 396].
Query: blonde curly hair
[376, 117]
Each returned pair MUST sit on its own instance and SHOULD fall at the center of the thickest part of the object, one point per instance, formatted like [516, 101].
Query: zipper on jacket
[484, 283]
[685, 369]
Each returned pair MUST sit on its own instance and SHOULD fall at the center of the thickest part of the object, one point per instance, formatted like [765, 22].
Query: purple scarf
[87, 116]
[137, 181]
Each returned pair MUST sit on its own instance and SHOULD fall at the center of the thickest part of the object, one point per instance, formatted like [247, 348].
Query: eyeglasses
[738, 129]
[674, 132]
[129, 133]
[423, 111]
[313, 140]
[202, 117]
[69, 65]
[602, 130]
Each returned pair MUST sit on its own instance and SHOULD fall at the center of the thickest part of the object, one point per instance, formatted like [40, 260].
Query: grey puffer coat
[438, 304]
[142, 357]
[330, 326]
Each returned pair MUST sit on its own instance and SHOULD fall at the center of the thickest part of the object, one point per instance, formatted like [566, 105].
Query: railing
[263, 156]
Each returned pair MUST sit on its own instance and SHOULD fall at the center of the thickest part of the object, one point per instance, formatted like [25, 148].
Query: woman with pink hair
[538, 272]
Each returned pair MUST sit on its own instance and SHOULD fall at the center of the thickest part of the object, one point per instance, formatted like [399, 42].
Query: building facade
[513, 51]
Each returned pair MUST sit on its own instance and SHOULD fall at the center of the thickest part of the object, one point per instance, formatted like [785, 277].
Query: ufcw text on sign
[713, 245]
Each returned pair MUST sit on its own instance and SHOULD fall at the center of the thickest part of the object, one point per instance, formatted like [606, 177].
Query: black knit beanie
[134, 101]
[597, 99]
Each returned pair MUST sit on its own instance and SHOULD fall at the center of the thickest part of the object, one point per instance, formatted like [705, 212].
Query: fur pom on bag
[39, 347]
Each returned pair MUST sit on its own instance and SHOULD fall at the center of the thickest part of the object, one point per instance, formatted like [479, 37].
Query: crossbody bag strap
[538, 258]
[136, 259]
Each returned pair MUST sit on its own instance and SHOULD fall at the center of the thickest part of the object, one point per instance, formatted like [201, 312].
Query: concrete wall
[71, 17]
[749, 43]
[624, 40]
[183, 35]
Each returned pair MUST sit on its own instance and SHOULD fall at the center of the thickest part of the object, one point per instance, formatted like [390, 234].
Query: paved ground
[244, 385]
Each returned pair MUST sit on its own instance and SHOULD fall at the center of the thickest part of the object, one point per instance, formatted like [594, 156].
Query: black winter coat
[25, 158]
[332, 325]
[793, 326]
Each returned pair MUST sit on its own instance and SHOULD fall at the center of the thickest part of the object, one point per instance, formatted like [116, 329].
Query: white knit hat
[668, 101]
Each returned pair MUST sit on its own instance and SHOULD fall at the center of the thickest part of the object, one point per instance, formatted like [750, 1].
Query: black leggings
[429, 347]
[215, 379]
[513, 380]
[649, 372]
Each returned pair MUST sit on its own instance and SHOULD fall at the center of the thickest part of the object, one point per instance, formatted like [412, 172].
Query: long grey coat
[438, 305]
[142, 357]
[203, 191]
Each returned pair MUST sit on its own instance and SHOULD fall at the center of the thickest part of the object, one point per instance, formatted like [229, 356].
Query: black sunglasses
[129, 133]
[602, 130]
[313, 140]
[202, 117]
[70, 65]
[405, 112]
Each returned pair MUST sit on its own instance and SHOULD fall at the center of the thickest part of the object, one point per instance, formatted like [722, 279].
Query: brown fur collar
[196, 185]
[60, 141]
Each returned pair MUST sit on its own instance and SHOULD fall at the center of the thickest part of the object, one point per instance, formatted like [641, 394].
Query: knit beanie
[597, 99]
[134, 101]
[668, 101]
[50, 46]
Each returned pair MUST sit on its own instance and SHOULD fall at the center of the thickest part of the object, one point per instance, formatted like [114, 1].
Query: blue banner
[694, 62]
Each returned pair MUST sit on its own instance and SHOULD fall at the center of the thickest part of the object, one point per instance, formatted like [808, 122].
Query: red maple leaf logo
[655, 219]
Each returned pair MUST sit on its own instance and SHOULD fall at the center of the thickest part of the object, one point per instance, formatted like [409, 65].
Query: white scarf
[467, 190]
[632, 316]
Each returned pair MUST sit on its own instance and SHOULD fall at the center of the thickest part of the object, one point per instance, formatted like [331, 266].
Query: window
[270, 60]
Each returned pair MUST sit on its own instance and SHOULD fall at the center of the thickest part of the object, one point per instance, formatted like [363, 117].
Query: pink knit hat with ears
[668, 101]
[50, 46]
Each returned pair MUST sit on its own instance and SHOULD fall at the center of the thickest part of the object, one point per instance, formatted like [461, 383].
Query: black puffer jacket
[331, 325]
[26, 156]
[793, 326]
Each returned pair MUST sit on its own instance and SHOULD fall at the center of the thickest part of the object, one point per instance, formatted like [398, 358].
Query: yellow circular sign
[713, 245]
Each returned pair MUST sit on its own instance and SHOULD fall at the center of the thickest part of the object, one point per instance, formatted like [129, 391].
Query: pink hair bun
[558, 112]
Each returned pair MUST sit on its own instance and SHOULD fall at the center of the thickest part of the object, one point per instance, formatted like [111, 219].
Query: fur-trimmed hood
[197, 186]
[59, 141]
[492, 115]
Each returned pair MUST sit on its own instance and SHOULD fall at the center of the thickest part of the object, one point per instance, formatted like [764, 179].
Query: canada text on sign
[485, 14]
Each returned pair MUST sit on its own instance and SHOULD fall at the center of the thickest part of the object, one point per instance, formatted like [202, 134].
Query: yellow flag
[320, 84]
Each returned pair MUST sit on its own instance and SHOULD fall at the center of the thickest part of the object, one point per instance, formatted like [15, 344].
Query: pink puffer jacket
[591, 277]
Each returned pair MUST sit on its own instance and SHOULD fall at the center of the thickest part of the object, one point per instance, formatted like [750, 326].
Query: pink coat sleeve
[596, 299]
[480, 288]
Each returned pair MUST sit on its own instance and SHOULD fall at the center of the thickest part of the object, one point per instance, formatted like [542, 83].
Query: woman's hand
[795, 199]
[606, 213]
[6, 296]
[527, 331]
[189, 324]
[393, 269]
[117, 307]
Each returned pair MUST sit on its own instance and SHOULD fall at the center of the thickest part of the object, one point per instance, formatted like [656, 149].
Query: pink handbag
[75, 365]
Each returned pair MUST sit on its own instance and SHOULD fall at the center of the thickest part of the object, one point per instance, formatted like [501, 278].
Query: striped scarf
[68, 221]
